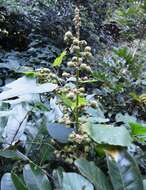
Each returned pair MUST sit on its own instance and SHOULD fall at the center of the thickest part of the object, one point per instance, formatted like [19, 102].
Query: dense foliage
[73, 95]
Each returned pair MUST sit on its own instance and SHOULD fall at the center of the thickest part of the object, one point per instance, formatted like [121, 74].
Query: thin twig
[19, 127]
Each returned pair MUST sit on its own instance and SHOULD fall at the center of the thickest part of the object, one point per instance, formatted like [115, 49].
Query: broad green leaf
[46, 152]
[93, 174]
[88, 81]
[97, 115]
[144, 183]
[137, 129]
[66, 101]
[125, 118]
[123, 170]
[106, 134]
[30, 74]
[72, 103]
[41, 106]
[82, 101]
[124, 53]
[35, 178]
[12, 154]
[27, 89]
[3, 120]
[6, 113]
[74, 181]
[59, 132]
[58, 176]
[24, 86]
[19, 185]
[8, 154]
[13, 130]
[7, 183]
[59, 59]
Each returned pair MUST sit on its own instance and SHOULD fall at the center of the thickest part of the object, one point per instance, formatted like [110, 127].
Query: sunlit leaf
[59, 59]
[123, 170]
[59, 132]
[24, 86]
[93, 174]
[35, 178]
[7, 183]
[13, 154]
[72, 103]
[144, 183]
[74, 181]
[106, 134]
[138, 132]
[137, 129]
[17, 181]
[16, 124]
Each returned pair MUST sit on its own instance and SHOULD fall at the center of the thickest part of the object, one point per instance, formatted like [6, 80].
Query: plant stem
[77, 100]
[77, 26]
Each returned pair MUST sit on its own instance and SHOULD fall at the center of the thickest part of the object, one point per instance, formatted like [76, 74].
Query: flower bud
[87, 149]
[83, 43]
[82, 89]
[71, 64]
[88, 55]
[93, 104]
[74, 59]
[76, 49]
[60, 120]
[68, 34]
[65, 90]
[80, 60]
[68, 121]
[88, 68]
[53, 75]
[71, 95]
[69, 160]
[87, 49]
[76, 42]
[65, 74]
[65, 39]
[83, 66]
[85, 78]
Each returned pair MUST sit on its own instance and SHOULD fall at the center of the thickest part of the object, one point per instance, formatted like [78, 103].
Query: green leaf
[144, 183]
[35, 178]
[123, 170]
[67, 102]
[82, 101]
[58, 176]
[59, 59]
[19, 185]
[124, 53]
[106, 134]
[6, 113]
[8, 154]
[30, 74]
[7, 183]
[74, 181]
[126, 118]
[41, 106]
[72, 103]
[59, 132]
[137, 129]
[138, 132]
[12, 154]
[25, 86]
[93, 174]
[46, 153]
